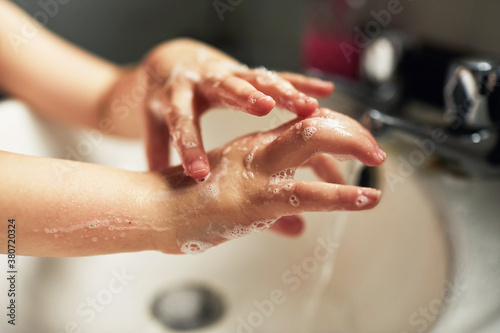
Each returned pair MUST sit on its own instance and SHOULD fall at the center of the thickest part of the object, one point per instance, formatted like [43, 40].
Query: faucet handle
[472, 95]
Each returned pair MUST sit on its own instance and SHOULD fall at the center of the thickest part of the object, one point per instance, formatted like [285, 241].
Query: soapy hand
[201, 78]
[252, 184]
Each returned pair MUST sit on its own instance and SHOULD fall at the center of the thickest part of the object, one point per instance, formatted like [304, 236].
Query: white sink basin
[391, 262]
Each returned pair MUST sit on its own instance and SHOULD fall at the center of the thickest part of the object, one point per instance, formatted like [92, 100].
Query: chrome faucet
[467, 137]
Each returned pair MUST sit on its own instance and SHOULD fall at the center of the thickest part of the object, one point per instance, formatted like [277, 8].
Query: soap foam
[259, 226]
[249, 157]
[361, 201]
[333, 125]
[190, 144]
[266, 137]
[266, 76]
[236, 232]
[308, 132]
[286, 174]
[194, 247]
[294, 200]
[96, 224]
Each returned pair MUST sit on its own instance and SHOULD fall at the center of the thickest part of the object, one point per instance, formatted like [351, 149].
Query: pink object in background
[327, 42]
[325, 52]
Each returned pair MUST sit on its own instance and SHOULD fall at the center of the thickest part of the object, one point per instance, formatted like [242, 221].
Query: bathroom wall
[264, 32]
[259, 32]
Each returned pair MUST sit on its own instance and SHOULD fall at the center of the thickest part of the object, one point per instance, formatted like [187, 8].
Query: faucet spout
[475, 152]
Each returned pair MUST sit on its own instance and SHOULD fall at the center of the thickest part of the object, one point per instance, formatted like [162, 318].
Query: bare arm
[66, 208]
[56, 78]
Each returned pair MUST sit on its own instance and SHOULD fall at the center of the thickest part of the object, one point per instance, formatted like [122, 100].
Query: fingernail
[256, 96]
[381, 153]
[197, 167]
[367, 196]
[371, 193]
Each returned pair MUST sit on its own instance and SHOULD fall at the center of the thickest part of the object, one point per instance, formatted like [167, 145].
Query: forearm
[56, 78]
[66, 208]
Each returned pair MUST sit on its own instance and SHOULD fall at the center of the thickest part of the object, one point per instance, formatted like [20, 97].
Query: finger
[329, 114]
[318, 197]
[282, 91]
[237, 93]
[157, 136]
[308, 137]
[289, 226]
[184, 129]
[310, 86]
[326, 168]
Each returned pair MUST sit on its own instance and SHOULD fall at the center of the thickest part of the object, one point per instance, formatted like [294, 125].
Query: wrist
[120, 110]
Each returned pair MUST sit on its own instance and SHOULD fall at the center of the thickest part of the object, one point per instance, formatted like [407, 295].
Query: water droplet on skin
[213, 190]
[122, 235]
[247, 174]
[94, 239]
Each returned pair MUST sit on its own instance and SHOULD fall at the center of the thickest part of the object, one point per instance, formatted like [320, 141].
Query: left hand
[196, 77]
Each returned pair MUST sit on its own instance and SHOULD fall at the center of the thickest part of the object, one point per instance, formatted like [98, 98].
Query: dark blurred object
[188, 307]
[264, 32]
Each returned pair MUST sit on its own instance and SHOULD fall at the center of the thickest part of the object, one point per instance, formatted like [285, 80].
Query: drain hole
[188, 307]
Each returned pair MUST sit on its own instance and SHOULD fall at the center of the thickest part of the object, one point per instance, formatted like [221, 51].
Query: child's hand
[251, 184]
[194, 77]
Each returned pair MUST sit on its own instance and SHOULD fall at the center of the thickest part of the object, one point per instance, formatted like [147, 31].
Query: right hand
[251, 184]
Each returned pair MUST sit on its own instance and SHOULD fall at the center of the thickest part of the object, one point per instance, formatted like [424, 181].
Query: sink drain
[188, 307]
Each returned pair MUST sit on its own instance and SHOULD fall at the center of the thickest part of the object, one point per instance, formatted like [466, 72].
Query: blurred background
[292, 35]
[256, 32]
